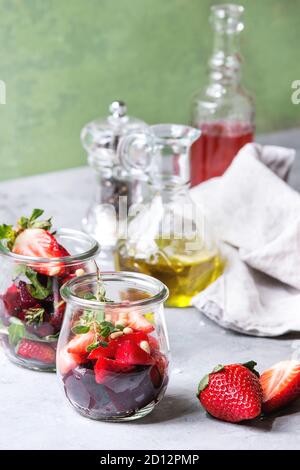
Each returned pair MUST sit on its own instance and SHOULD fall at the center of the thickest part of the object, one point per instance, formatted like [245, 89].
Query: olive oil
[185, 272]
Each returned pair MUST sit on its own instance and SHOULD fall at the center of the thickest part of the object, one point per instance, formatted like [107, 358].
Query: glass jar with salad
[112, 358]
[35, 262]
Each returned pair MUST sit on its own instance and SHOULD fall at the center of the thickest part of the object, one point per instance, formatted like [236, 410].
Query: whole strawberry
[232, 393]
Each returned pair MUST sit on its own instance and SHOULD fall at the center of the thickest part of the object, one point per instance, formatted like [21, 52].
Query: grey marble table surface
[34, 411]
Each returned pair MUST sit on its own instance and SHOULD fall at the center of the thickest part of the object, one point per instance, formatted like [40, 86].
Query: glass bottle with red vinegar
[224, 110]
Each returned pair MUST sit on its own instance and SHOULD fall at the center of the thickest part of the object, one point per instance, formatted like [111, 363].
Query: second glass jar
[31, 307]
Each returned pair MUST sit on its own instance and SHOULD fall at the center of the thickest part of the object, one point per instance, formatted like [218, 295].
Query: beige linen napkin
[256, 216]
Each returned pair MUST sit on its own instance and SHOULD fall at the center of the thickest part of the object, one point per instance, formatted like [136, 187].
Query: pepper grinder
[100, 139]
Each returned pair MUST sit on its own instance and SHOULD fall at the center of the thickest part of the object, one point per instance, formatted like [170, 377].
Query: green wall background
[63, 61]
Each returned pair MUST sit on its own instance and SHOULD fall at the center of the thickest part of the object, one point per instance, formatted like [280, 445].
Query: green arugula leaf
[36, 289]
[16, 331]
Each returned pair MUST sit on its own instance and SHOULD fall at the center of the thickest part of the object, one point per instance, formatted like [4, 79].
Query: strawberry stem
[251, 366]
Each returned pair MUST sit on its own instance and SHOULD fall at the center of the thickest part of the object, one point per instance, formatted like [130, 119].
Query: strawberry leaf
[32, 222]
[36, 213]
[218, 368]
[8, 233]
[251, 366]
[203, 383]
[44, 224]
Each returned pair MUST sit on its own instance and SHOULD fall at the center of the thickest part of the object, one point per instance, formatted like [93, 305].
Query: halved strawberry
[105, 366]
[137, 321]
[67, 361]
[130, 353]
[38, 351]
[280, 384]
[40, 243]
[79, 344]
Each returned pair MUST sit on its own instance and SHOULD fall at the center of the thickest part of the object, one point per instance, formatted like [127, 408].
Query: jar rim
[68, 260]
[67, 290]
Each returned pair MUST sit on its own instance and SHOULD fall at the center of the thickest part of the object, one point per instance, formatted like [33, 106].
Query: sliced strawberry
[41, 352]
[104, 367]
[79, 344]
[40, 243]
[137, 321]
[67, 361]
[130, 353]
[110, 350]
[280, 384]
[136, 336]
[104, 351]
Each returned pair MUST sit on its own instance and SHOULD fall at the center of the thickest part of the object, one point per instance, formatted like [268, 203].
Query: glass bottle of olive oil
[185, 273]
[168, 237]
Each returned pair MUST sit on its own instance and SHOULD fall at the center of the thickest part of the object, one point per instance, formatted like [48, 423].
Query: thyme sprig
[94, 320]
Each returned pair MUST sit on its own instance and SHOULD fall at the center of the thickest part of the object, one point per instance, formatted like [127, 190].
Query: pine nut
[121, 323]
[127, 330]
[116, 334]
[145, 346]
[79, 272]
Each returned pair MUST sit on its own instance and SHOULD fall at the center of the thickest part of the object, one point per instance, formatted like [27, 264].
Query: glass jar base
[29, 364]
[132, 416]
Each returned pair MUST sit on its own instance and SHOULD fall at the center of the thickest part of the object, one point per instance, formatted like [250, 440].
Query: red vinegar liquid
[215, 149]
